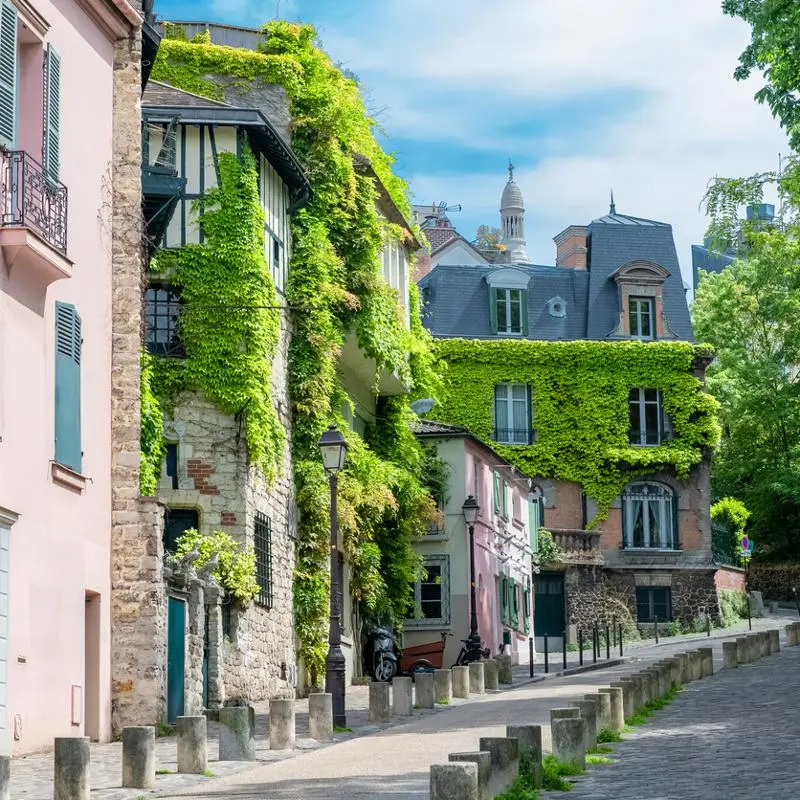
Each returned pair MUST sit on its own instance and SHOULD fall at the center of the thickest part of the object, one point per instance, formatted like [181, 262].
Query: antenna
[444, 207]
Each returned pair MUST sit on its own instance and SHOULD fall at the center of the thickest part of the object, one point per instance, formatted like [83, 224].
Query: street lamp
[470, 510]
[333, 449]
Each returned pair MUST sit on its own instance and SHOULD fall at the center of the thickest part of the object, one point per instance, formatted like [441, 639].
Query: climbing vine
[152, 439]
[336, 289]
[579, 393]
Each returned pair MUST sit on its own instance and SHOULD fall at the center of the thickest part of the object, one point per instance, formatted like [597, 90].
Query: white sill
[651, 550]
[67, 477]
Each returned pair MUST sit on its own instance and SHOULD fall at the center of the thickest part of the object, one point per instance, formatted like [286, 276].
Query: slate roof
[457, 297]
[429, 427]
[162, 94]
[704, 258]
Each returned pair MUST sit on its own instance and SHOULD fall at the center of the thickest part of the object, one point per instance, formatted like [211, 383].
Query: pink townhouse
[57, 128]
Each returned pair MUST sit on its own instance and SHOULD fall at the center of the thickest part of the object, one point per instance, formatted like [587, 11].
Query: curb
[564, 673]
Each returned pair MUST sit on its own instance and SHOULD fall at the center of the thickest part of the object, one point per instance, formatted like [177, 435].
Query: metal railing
[513, 435]
[33, 199]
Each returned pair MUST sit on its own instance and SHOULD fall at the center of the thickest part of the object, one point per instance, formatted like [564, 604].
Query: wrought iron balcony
[32, 199]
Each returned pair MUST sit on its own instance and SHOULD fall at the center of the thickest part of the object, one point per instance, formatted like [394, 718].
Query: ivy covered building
[585, 376]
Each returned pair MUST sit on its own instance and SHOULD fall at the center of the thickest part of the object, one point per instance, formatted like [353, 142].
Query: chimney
[572, 247]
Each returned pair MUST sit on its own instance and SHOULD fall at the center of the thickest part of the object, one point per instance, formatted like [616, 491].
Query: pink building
[505, 540]
[57, 119]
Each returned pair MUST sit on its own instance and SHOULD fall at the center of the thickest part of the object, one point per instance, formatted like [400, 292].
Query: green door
[176, 658]
[548, 613]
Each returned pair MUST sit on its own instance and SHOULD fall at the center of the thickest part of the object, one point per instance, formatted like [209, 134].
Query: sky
[637, 96]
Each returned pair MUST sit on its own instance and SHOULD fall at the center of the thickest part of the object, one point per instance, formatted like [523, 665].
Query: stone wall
[694, 595]
[598, 596]
[138, 603]
[775, 581]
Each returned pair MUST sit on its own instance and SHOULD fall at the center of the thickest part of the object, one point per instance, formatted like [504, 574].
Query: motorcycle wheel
[385, 670]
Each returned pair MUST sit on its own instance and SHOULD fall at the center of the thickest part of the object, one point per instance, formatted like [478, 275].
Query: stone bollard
[753, 648]
[477, 678]
[686, 670]
[696, 663]
[423, 689]
[443, 686]
[564, 713]
[616, 711]
[529, 738]
[505, 760]
[5, 777]
[236, 733]
[641, 691]
[455, 781]
[504, 669]
[588, 709]
[139, 757]
[655, 683]
[71, 775]
[674, 671]
[598, 710]
[729, 659]
[461, 682]
[192, 744]
[707, 661]
[773, 608]
[663, 678]
[491, 675]
[380, 709]
[742, 650]
[765, 649]
[774, 640]
[484, 764]
[282, 723]
[791, 635]
[628, 689]
[402, 698]
[320, 716]
[567, 736]
[604, 710]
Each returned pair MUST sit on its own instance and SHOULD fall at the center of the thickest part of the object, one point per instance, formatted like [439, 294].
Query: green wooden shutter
[508, 501]
[52, 112]
[496, 494]
[514, 614]
[524, 311]
[493, 308]
[68, 387]
[533, 524]
[8, 74]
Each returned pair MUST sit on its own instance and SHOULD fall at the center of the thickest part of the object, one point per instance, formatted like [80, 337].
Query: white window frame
[642, 405]
[504, 295]
[510, 434]
[664, 499]
[418, 621]
[641, 302]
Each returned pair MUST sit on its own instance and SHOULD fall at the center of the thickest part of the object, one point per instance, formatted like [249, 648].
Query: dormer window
[640, 317]
[508, 307]
[641, 288]
[508, 301]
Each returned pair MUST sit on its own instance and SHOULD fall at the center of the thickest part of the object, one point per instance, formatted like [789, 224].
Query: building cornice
[38, 24]
[116, 18]
[7, 517]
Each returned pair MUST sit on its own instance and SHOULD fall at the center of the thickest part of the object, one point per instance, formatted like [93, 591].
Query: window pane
[431, 593]
[502, 422]
[637, 522]
[633, 317]
[643, 613]
[516, 311]
[645, 321]
[652, 418]
[502, 316]
[635, 431]
[661, 602]
[653, 522]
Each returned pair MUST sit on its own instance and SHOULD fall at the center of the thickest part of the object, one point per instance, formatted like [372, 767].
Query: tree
[749, 313]
[488, 238]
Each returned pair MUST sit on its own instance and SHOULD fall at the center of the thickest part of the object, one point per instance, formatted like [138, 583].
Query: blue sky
[634, 95]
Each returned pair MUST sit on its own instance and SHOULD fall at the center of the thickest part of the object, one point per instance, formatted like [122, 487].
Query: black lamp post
[333, 448]
[470, 509]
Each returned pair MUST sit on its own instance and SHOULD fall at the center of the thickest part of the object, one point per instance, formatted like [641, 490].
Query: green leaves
[151, 435]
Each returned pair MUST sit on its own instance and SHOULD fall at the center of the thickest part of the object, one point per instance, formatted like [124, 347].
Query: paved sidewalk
[727, 737]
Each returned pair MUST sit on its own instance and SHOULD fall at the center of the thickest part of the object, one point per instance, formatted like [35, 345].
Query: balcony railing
[578, 545]
[513, 435]
[32, 199]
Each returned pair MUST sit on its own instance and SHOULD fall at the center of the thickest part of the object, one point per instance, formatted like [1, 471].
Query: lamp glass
[333, 449]
[470, 509]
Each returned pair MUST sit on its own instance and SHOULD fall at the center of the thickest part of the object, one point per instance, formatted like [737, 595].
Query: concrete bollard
[628, 689]
[71, 774]
[491, 675]
[598, 710]
[282, 723]
[674, 671]
[505, 760]
[443, 685]
[567, 736]
[139, 757]
[774, 640]
[696, 663]
[236, 733]
[423, 689]
[564, 713]
[455, 781]
[484, 763]
[764, 636]
[663, 678]
[5, 777]
[686, 670]
[529, 738]
[791, 635]
[641, 691]
[192, 744]
[320, 716]
[588, 709]
[402, 698]
[707, 661]
[504, 669]
[742, 650]
[380, 709]
[461, 682]
[605, 711]
[616, 707]
[477, 678]
[753, 648]
[655, 683]
[729, 659]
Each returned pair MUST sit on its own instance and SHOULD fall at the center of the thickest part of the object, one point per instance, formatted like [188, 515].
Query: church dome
[512, 196]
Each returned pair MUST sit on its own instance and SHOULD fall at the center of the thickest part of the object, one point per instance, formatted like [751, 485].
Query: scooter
[385, 654]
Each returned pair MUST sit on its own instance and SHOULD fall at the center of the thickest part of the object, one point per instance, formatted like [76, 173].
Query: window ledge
[67, 477]
[417, 624]
[666, 551]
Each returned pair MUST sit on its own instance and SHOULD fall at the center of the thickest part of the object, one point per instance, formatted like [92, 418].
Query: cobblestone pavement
[396, 756]
[722, 738]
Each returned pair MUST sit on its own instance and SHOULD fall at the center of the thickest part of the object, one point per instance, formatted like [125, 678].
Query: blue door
[176, 658]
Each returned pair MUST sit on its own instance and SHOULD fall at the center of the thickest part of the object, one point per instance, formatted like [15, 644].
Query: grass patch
[209, 773]
[596, 758]
[606, 736]
[554, 772]
[164, 772]
[641, 716]
[524, 786]
[443, 701]
[602, 748]
[162, 729]
[338, 729]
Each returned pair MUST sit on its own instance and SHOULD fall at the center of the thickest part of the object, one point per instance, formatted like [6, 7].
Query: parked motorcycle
[385, 654]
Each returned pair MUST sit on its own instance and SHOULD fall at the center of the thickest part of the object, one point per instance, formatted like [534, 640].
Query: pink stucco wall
[60, 545]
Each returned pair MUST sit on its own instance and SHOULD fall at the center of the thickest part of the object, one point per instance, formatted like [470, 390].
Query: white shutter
[52, 112]
[8, 74]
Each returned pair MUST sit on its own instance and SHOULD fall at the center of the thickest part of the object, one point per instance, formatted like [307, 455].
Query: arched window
[649, 516]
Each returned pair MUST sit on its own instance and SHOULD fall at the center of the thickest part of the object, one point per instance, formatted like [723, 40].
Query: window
[432, 594]
[509, 308]
[640, 315]
[262, 535]
[68, 387]
[162, 309]
[649, 517]
[176, 522]
[172, 464]
[512, 413]
[646, 417]
[8, 73]
[653, 602]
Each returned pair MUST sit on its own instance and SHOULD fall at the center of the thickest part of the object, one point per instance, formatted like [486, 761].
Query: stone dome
[512, 196]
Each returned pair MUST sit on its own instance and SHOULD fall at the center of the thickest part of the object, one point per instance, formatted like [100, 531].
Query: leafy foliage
[749, 312]
[524, 785]
[549, 552]
[555, 772]
[236, 570]
[580, 406]
[151, 436]
[488, 237]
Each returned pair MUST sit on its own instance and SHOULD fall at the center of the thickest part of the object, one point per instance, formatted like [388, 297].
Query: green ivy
[580, 406]
[152, 438]
[335, 282]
